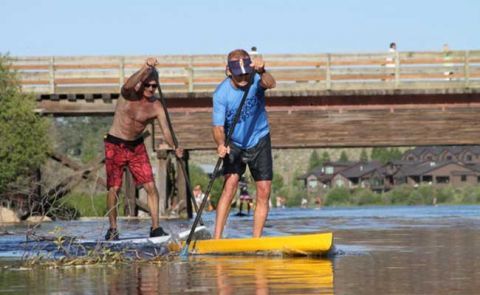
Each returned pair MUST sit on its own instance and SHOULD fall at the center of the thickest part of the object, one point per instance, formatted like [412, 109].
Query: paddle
[175, 143]
[184, 251]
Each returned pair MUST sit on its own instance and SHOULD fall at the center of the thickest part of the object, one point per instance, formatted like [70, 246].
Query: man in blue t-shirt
[250, 143]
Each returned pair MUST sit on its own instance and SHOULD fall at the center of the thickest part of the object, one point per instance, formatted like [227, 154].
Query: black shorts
[258, 158]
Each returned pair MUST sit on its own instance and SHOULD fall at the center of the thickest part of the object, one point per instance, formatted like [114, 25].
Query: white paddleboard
[199, 231]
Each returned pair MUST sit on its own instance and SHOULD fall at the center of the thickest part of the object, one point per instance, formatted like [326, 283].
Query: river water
[379, 250]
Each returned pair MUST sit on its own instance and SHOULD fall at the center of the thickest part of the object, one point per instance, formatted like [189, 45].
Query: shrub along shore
[86, 205]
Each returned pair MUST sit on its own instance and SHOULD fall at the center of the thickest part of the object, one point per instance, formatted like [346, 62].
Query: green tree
[363, 156]
[385, 155]
[314, 160]
[377, 153]
[395, 154]
[325, 157]
[337, 197]
[343, 157]
[81, 137]
[295, 190]
[197, 176]
[277, 185]
[24, 141]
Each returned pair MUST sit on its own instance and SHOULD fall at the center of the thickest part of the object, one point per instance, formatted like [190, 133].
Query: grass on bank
[90, 205]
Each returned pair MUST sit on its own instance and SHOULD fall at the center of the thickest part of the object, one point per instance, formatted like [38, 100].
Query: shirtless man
[124, 145]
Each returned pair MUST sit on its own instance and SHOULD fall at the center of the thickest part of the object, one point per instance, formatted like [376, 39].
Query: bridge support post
[397, 70]
[466, 69]
[182, 185]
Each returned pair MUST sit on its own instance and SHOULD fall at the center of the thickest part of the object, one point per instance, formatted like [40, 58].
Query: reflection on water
[218, 275]
[385, 250]
[410, 261]
[265, 275]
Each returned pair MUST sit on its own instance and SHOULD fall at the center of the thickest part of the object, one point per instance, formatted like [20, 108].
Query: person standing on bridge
[250, 143]
[124, 147]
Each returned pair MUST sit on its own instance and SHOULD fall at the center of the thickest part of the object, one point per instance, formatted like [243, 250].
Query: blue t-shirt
[253, 122]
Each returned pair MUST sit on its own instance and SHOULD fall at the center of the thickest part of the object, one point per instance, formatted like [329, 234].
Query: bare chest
[138, 111]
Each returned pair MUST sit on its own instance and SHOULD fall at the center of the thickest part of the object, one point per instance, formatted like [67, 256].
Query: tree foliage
[24, 140]
[278, 186]
[199, 177]
[314, 160]
[82, 137]
[325, 157]
[363, 156]
[343, 157]
[295, 191]
[385, 155]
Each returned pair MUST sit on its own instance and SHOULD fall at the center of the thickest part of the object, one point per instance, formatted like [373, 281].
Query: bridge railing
[83, 75]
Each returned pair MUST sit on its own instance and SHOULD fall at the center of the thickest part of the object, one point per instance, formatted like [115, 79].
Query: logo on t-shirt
[248, 110]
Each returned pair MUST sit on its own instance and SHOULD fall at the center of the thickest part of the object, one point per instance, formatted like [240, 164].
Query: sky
[148, 27]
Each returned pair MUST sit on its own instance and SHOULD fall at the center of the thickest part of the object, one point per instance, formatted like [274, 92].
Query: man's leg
[231, 185]
[112, 202]
[152, 200]
[261, 209]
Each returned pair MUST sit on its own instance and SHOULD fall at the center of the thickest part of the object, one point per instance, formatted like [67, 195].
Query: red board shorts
[120, 153]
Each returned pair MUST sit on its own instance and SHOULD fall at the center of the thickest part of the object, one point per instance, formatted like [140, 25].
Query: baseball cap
[240, 67]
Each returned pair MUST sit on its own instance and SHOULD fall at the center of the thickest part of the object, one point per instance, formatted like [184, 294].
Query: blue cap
[240, 67]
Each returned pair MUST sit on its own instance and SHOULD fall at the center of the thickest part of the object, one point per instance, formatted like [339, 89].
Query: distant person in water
[250, 144]
[244, 198]
[124, 147]
[304, 203]
[198, 194]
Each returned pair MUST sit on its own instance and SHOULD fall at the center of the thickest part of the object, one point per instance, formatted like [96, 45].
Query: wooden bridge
[322, 100]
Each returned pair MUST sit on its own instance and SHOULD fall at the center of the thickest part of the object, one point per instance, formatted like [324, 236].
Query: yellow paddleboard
[309, 244]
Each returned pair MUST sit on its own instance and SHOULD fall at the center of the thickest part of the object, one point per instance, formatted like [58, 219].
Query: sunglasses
[150, 85]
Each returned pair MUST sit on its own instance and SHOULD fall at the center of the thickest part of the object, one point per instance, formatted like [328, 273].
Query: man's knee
[264, 185]
[150, 187]
[263, 189]
[231, 182]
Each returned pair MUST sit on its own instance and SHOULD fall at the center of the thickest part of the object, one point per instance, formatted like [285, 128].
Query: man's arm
[219, 137]
[266, 79]
[218, 120]
[134, 82]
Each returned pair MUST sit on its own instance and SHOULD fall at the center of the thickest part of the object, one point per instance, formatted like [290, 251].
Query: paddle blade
[184, 252]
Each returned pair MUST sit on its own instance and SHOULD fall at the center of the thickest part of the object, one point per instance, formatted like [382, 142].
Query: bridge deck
[90, 77]
[408, 98]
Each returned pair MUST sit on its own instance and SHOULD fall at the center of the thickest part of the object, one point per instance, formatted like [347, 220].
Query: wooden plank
[29, 67]
[87, 81]
[86, 66]
[353, 128]
[34, 82]
[295, 72]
